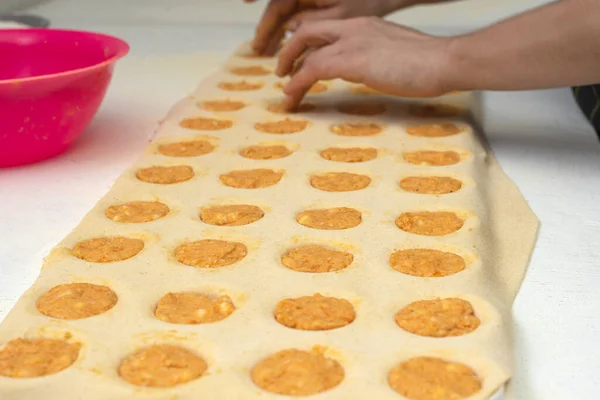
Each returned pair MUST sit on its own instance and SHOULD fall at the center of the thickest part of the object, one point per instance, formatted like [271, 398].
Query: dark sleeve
[588, 98]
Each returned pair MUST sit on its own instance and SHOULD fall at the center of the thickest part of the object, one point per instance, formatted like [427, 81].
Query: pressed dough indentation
[252, 70]
[205, 124]
[231, 215]
[162, 366]
[429, 378]
[357, 129]
[135, 212]
[426, 263]
[429, 223]
[434, 130]
[314, 258]
[165, 175]
[430, 184]
[193, 308]
[438, 318]
[339, 181]
[330, 218]
[279, 108]
[222, 105]
[191, 148]
[314, 313]
[432, 158]
[273, 152]
[30, 358]
[349, 154]
[240, 86]
[251, 179]
[76, 301]
[107, 249]
[282, 127]
[295, 372]
[210, 253]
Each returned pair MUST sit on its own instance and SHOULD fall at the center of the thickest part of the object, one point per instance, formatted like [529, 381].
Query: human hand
[385, 56]
[282, 15]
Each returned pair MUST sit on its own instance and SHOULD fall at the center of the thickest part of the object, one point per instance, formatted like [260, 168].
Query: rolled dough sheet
[495, 241]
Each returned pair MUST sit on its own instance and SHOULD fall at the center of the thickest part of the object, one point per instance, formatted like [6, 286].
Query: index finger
[321, 64]
[310, 35]
[274, 18]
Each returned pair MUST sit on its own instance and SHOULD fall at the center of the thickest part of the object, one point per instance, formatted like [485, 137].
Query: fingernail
[288, 103]
[257, 46]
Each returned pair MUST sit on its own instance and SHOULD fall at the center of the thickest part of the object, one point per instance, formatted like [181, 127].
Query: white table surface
[540, 138]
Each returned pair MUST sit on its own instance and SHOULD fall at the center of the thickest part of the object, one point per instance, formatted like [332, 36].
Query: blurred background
[457, 14]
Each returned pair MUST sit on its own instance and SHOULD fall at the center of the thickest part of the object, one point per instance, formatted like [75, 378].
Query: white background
[540, 139]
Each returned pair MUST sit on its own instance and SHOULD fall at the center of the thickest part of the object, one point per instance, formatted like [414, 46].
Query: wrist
[454, 72]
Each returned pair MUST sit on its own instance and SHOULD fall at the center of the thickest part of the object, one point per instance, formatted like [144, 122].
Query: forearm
[552, 46]
[395, 5]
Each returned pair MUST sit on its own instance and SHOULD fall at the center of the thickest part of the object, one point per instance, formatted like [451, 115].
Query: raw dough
[231, 215]
[30, 358]
[76, 301]
[349, 154]
[253, 70]
[295, 372]
[317, 88]
[434, 110]
[278, 108]
[427, 263]
[240, 86]
[162, 366]
[430, 184]
[108, 249]
[192, 148]
[429, 223]
[433, 158]
[165, 175]
[251, 179]
[205, 124]
[257, 152]
[222, 105]
[137, 212]
[193, 308]
[434, 130]
[282, 127]
[357, 129]
[330, 218]
[367, 348]
[314, 313]
[363, 109]
[339, 181]
[428, 378]
[438, 318]
[209, 253]
[313, 258]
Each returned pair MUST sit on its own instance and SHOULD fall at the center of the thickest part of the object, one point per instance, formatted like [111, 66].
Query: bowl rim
[122, 51]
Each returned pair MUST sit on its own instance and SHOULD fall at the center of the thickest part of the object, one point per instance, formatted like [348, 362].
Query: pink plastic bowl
[51, 85]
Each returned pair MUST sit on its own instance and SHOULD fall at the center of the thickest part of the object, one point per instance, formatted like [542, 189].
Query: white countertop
[540, 139]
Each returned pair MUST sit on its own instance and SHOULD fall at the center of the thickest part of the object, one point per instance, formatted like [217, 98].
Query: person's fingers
[274, 18]
[274, 43]
[313, 15]
[314, 34]
[323, 63]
